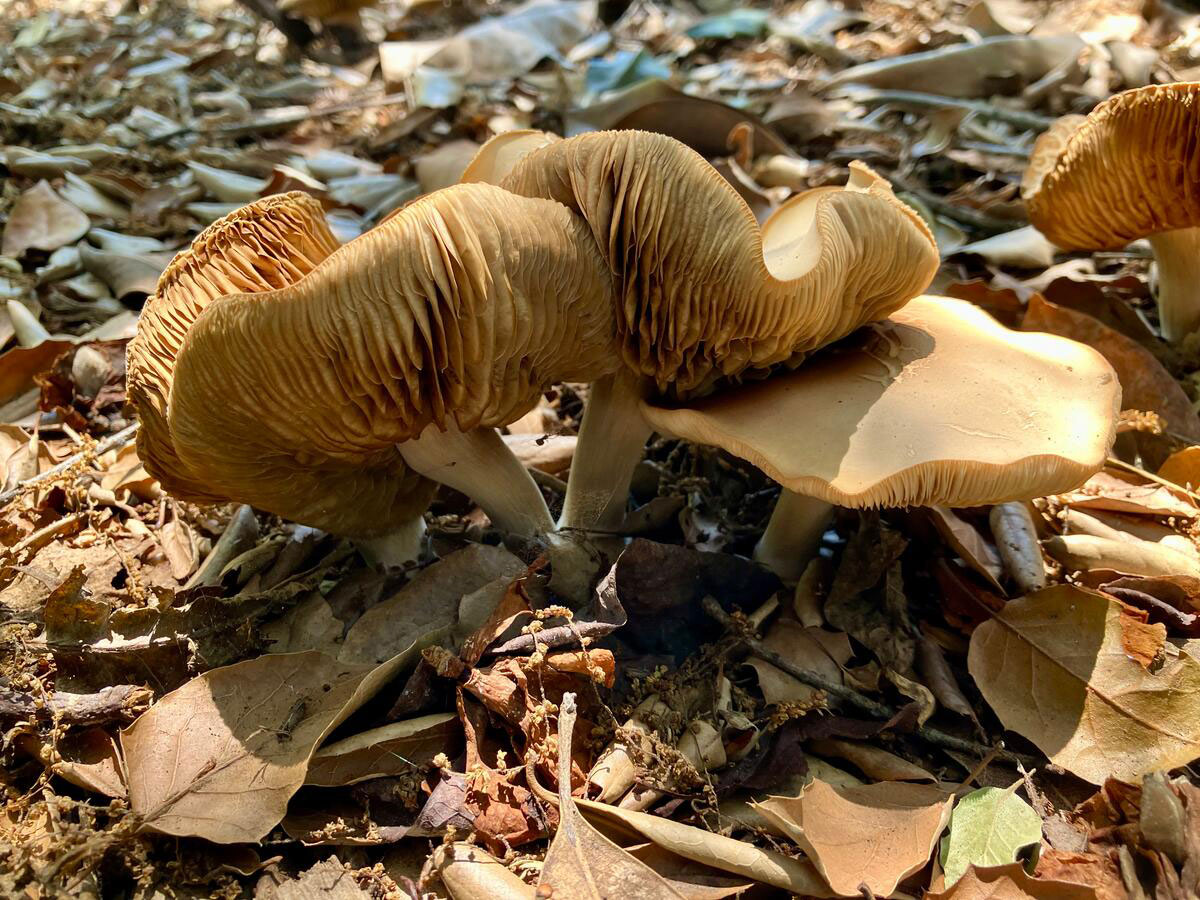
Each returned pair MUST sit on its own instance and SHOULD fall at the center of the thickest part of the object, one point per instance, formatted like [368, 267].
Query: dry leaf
[874, 835]
[813, 649]
[1011, 883]
[42, 220]
[387, 750]
[471, 873]
[581, 862]
[1182, 467]
[1106, 491]
[1054, 667]
[715, 850]
[872, 761]
[220, 757]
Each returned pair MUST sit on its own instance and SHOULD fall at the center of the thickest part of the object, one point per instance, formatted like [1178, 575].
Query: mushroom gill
[406, 345]
[704, 294]
[1129, 170]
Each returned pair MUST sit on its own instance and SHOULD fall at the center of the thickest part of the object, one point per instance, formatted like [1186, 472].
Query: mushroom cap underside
[1128, 170]
[938, 405]
[703, 292]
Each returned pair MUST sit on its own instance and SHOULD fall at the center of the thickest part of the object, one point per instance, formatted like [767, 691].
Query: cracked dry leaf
[581, 862]
[1054, 667]
[1011, 883]
[874, 834]
[220, 757]
[989, 827]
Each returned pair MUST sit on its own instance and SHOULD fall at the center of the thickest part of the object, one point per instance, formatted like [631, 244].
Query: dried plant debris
[992, 697]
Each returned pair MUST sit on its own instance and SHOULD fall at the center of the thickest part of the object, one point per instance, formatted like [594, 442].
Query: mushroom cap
[262, 246]
[1129, 170]
[458, 311]
[499, 154]
[703, 292]
[937, 405]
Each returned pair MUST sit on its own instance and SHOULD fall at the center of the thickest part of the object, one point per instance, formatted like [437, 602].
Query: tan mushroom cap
[1129, 170]
[703, 292]
[268, 244]
[457, 312]
[939, 404]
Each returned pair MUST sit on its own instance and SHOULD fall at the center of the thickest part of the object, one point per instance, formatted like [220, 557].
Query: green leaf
[989, 827]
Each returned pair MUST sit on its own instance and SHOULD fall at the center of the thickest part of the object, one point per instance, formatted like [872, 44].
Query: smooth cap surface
[938, 405]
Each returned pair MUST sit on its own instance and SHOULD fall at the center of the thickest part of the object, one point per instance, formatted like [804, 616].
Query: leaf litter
[308, 726]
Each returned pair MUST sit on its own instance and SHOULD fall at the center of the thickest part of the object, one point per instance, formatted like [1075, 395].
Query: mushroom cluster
[1128, 170]
[326, 384]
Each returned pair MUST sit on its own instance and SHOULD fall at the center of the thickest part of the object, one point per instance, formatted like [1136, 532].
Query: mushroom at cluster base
[937, 405]
[324, 390]
[1128, 170]
[703, 293]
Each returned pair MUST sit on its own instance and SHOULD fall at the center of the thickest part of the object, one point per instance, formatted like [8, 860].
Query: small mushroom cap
[938, 405]
[703, 292]
[1129, 170]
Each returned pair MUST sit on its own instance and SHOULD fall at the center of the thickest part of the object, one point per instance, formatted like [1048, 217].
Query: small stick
[1020, 118]
[854, 698]
[113, 442]
[117, 703]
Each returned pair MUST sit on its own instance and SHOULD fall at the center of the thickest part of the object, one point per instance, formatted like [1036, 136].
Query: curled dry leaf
[1016, 540]
[581, 862]
[220, 757]
[714, 850]
[989, 827]
[1054, 667]
[471, 873]
[42, 220]
[1132, 556]
[387, 750]
[1011, 882]
[874, 835]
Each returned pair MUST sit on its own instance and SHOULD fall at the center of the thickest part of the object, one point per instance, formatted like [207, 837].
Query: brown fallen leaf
[471, 873]
[42, 220]
[872, 761]
[387, 750]
[1097, 871]
[971, 546]
[1182, 467]
[1106, 490]
[328, 880]
[220, 757]
[1011, 882]
[581, 862]
[717, 851]
[872, 836]
[1132, 556]
[1054, 667]
[1145, 384]
[813, 649]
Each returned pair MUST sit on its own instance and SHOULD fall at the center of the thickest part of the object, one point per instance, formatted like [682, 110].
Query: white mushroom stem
[1178, 256]
[793, 534]
[396, 548]
[479, 464]
[28, 330]
[611, 442]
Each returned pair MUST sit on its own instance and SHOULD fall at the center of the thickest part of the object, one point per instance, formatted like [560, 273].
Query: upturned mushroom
[703, 293]
[320, 398]
[1128, 170]
[937, 405]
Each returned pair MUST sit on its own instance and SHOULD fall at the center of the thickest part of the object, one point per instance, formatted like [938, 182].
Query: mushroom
[1128, 170]
[261, 247]
[399, 353]
[703, 293]
[937, 405]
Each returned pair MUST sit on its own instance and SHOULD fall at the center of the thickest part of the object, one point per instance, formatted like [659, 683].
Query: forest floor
[911, 717]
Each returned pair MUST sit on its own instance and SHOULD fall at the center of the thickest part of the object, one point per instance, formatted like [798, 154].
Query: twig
[854, 698]
[114, 442]
[964, 214]
[1020, 118]
[117, 703]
